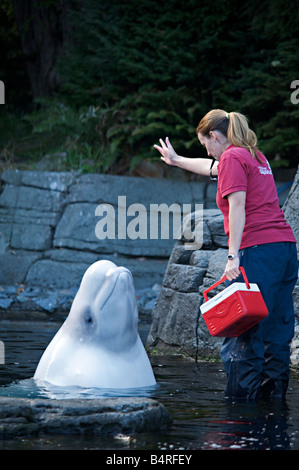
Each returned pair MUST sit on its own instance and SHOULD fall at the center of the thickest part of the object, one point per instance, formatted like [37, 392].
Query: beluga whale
[98, 345]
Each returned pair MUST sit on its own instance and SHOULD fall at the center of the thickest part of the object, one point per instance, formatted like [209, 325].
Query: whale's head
[98, 345]
[104, 311]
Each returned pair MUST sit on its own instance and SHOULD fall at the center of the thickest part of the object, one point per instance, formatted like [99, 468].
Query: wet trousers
[257, 362]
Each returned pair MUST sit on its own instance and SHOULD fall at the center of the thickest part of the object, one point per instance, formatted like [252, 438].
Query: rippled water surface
[192, 392]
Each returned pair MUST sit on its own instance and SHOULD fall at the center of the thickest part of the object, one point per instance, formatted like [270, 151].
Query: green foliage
[143, 69]
[141, 79]
[12, 64]
[261, 86]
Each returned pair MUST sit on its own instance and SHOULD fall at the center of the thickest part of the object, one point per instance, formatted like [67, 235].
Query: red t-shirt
[265, 221]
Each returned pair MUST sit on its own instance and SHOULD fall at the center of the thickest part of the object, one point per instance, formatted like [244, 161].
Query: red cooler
[234, 310]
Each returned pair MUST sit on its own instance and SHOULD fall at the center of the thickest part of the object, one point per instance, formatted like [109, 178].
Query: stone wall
[48, 240]
[177, 324]
[291, 208]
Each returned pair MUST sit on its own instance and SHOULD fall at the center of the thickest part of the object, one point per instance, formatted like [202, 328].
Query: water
[192, 392]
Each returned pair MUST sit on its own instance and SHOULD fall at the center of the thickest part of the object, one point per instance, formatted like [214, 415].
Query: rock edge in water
[31, 417]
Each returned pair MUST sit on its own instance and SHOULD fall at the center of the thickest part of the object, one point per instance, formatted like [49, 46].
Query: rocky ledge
[19, 302]
[26, 417]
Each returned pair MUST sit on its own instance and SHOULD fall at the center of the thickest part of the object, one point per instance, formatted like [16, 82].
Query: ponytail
[232, 125]
[239, 134]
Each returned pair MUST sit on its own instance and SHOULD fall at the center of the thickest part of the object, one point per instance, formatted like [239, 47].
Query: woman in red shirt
[260, 240]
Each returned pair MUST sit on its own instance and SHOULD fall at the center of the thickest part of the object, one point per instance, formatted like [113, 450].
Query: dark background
[94, 84]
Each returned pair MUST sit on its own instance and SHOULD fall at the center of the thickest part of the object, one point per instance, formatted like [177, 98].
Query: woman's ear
[213, 135]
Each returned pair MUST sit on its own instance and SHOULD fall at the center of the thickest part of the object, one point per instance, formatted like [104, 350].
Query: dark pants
[257, 362]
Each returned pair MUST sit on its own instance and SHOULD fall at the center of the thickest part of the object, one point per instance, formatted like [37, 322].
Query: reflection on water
[193, 394]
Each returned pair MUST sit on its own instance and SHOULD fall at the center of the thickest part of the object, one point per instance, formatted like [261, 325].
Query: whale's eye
[88, 319]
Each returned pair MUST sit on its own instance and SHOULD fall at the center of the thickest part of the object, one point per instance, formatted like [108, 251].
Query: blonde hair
[232, 125]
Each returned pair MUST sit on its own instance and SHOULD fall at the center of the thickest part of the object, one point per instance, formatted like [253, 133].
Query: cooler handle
[224, 279]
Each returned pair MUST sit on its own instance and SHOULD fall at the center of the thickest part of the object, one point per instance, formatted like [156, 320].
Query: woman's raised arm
[200, 166]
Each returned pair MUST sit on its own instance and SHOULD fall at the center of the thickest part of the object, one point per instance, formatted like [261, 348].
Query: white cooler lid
[236, 286]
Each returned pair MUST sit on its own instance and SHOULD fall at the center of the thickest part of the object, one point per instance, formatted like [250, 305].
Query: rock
[213, 234]
[53, 180]
[5, 303]
[30, 198]
[177, 324]
[29, 213]
[97, 188]
[291, 211]
[56, 181]
[146, 299]
[48, 211]
[43, 302]
[215, 269]
[25, 417]
[58, 274]
[76, 229]
[183, 278]
[35, 237]
[55, 274]
[48, 303]
[215, 224]
[296, 300]
[295, 348]
[291, 208]
[174, 323]
[14, 267]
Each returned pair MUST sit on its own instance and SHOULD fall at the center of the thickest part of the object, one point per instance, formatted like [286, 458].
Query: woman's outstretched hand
[167, 151]
[200, 166]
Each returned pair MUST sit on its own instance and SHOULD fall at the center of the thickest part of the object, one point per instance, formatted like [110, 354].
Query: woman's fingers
[166, 150]
[232, 269]
[164, 146]
[168, 143]
[163, 149]
[158, 148]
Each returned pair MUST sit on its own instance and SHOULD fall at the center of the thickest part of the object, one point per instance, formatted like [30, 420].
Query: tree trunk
[45, 30]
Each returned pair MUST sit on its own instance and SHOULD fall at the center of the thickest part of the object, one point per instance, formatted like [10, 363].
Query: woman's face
[215, 144]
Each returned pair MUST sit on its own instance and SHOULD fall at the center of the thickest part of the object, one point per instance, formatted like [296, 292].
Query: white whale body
[98, 345]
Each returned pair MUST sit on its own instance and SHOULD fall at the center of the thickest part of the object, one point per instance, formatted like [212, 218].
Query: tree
[122, 74]
[44, 30]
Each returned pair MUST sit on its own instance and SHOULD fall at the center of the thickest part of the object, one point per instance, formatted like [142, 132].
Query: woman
[260, 240]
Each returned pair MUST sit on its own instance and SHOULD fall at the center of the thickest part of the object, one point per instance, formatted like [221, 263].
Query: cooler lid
[236, 286]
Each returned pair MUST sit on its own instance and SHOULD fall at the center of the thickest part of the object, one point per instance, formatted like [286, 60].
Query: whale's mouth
[110, 282]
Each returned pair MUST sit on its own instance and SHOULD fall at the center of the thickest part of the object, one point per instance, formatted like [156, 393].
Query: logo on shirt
[265, 170]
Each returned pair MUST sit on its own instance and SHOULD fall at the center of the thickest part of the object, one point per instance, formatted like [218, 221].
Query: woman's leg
[278, 329]
[243, 360]
[261, 355]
